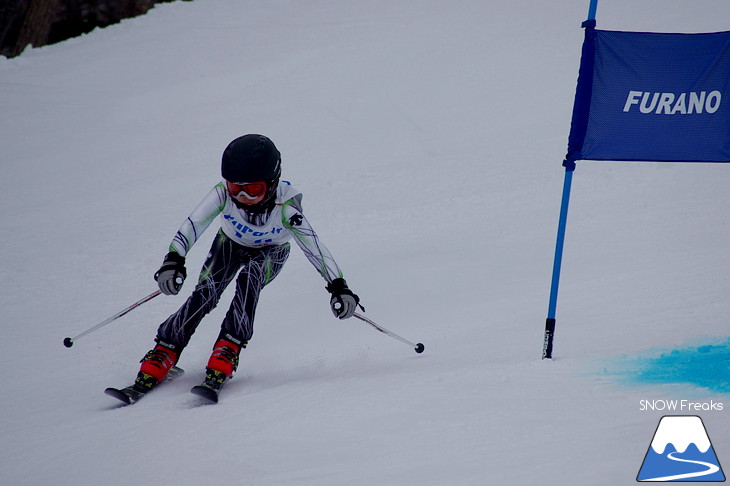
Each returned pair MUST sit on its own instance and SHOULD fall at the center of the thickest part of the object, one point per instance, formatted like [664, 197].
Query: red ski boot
[155, 365]
[225, 357]
[221, 366]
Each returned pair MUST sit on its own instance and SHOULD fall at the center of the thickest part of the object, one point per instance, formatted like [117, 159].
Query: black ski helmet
[253, 158]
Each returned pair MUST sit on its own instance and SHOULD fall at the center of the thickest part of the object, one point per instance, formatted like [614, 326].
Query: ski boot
[158, 365]
[222, 364]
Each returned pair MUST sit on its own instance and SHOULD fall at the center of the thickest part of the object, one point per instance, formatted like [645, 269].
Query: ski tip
[419, 348]
[119, 395]
[205, 392]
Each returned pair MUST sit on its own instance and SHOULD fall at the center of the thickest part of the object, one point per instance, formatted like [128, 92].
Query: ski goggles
[247, 192]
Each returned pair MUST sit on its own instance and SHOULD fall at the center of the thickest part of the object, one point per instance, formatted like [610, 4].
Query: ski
[211, 387]
[207, 392]
[133, 393]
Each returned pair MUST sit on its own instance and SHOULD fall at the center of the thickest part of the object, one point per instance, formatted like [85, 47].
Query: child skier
[259, 214]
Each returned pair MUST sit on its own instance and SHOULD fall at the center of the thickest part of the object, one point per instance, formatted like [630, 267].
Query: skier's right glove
[343, 302]
[171, 275]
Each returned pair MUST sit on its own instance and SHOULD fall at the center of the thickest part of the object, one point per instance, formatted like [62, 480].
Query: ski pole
[417, 346]
[68, 342]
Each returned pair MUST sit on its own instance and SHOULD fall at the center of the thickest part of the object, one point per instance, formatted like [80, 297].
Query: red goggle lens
[246, 190]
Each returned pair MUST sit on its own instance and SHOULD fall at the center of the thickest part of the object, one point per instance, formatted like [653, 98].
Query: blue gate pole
[569, 164]
[592, 10]
[547, 350]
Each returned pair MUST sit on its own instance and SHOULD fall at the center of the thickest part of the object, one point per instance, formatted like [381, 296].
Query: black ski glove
[343, 302]
[171, 275]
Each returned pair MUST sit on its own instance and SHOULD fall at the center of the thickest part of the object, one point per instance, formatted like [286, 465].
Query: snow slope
[427, 137]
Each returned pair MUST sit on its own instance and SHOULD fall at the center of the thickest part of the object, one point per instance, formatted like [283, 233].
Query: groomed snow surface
[427, 138]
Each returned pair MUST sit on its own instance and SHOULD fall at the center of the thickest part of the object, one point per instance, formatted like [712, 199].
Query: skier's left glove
[171, 275]
[343, 302]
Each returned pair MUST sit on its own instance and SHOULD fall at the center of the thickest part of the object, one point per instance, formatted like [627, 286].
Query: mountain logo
[681, 451]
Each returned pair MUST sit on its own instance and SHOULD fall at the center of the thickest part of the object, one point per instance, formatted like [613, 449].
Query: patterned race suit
[254, 244]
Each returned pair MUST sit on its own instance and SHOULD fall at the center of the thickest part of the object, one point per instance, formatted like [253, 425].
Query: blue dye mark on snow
[706, 366]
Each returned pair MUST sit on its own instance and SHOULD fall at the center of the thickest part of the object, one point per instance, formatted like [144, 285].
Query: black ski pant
[257, 266]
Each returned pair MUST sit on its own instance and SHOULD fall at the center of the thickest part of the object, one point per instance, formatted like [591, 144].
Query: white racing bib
[236, 224]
